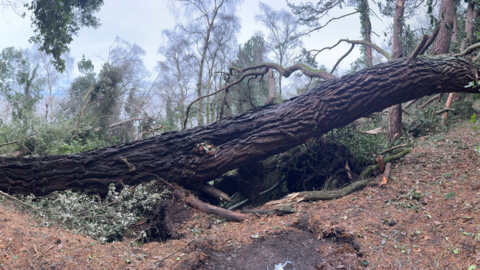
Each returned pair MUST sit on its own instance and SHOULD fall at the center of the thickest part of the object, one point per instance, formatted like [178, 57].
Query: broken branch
[19, 140]
[386, 174]
[207, 208]
[341, 58]
[429, 101]
[430, 40]
[419, 47]
[445, 110]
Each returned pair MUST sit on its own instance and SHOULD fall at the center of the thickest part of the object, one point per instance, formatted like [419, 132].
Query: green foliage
[20, 82]
[361, 146]
[424, 121]
[307, 58]
[106, 94]
[250, 93]
[105, 221]
[474, 121]
[80, 146]
[85, 66]
[56, 22]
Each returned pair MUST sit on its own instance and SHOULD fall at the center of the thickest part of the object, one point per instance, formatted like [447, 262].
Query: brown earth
[427, 217]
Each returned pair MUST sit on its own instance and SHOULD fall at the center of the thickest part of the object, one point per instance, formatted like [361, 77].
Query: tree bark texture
[472, 14]
[446, 17]
[395, 112]
[194, 156]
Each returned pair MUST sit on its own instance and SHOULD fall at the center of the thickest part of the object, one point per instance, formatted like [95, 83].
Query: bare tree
[52, 76]
[16, 6]
[203, 17]
[176, 70]
[283, 35]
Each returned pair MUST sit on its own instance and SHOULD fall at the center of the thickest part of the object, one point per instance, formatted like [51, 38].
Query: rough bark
[242, 139]
[446, 17]
[395, 112]
[472, 14]
[442, 43]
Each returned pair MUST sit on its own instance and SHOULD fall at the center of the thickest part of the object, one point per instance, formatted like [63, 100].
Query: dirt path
[427, 217]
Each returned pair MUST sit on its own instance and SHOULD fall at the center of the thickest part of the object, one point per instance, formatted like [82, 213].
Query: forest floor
[426, 217]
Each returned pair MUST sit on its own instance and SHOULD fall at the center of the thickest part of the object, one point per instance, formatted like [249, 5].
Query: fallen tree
[194, 156]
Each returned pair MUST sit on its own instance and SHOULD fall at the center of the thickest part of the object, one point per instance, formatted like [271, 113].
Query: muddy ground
[426, 217]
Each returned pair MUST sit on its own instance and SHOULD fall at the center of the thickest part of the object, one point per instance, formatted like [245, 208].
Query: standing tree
[283, 35]
[395, 112]
[446, 16]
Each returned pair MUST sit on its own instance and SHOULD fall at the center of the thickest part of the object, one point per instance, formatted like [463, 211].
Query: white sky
[142, 22]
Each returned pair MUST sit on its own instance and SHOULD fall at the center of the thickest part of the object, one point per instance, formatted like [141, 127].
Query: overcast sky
[142, 22]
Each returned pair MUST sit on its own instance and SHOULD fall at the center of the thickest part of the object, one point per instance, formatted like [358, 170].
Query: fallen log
[215, 193]
[386, 174]
[279, 211]
[244, 138]
[436, 97]
[207, 208]
[446, 110]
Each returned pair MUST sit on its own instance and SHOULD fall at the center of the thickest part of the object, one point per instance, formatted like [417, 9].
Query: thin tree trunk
[395, 112]
[367, 27]
[472, 14]
[271, 88]
[447, 105]
[455, 30]
[280, 87]
[444, 38]
[242, 139]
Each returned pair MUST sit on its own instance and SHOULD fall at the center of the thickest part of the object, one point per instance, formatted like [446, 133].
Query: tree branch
[21, 139]
[419, 47]
[122, 122]
[341, 58]
[373, 46]
[430, 40]
[147, 131]
[285, 72]
[429, 101]
[320, 27]
[469, 50]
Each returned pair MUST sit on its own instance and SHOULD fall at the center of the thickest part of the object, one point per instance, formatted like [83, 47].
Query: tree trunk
[271, 88]
[395, 112]
[280, 87]
[442, 43]
[472, 14]
[455, 30]
[367, 29]
[446, 17]
[194, 156]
